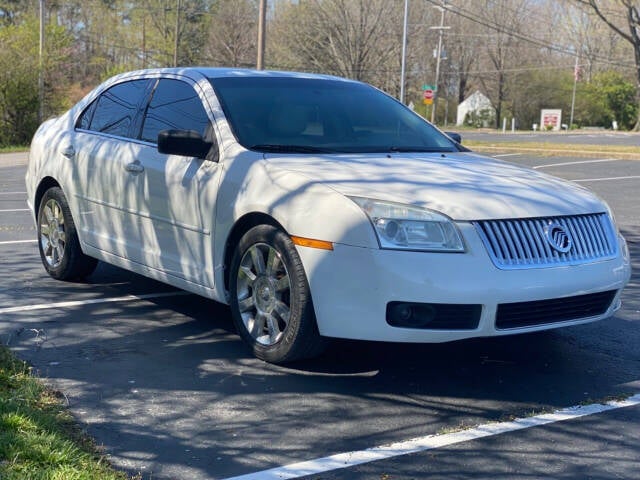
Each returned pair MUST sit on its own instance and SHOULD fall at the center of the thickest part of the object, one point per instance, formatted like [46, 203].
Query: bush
[480, 119]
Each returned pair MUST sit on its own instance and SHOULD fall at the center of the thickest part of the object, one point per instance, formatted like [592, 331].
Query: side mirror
[456, 137]
[187, 143]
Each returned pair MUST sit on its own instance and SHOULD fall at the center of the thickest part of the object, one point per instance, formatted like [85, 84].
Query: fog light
[433, 316]
[410, 315]
[400, 313]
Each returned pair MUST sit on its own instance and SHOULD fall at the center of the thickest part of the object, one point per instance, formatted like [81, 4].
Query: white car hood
[463, 186]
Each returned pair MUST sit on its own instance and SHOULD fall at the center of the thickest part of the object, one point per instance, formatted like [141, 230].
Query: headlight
[405, 227]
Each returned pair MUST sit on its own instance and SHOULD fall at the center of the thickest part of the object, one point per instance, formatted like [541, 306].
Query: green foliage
[19, 67]
[12, 10]
[37, 436]
[159, 17]
[18, 85]
[537, 90]
[483, 118]
[608, 97]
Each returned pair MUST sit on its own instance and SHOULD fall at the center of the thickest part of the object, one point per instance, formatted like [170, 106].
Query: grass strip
[39, 439]
[624, 152]
[14, 149]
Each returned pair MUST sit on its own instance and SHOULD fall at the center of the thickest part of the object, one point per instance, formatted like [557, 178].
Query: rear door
[106, 175]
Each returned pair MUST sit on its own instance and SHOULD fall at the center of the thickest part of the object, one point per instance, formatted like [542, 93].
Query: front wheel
[270, 298]
[58, 242]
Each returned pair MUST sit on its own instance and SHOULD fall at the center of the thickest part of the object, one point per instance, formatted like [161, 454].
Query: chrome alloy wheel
[53, 237]
[264, 293]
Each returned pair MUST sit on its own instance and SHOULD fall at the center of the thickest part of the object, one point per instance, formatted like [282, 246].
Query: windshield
[303, 115]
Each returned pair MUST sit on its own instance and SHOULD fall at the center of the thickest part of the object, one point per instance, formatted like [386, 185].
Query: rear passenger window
[115, 109]
[175, 106]
[84, 122]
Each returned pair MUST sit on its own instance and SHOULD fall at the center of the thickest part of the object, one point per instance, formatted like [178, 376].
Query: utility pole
[576, 74]
[41, 65]
[438, 55]
[262, 20]
[144, 40]
[177, 35]
[404, 49]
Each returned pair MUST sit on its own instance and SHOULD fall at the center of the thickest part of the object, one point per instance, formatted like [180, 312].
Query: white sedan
[316, 207]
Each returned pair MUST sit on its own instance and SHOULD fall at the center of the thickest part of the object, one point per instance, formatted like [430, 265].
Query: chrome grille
[524, 243]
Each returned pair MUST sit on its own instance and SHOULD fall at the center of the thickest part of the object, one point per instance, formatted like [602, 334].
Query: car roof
[223, 72]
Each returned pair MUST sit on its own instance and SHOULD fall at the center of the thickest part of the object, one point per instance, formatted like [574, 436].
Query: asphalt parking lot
[160, 379]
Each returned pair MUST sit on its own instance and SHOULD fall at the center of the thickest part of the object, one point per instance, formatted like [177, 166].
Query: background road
[170, 391]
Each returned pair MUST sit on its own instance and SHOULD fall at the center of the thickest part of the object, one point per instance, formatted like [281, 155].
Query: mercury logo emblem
[558, 238]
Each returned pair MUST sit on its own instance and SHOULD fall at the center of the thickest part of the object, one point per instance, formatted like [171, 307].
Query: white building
[480, 109]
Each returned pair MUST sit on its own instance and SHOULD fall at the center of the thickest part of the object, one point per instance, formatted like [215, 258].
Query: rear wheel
[58, 242]
[270, 298]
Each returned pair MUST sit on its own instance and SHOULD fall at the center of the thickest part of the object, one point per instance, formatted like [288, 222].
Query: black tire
[273, 315]
[58, 243]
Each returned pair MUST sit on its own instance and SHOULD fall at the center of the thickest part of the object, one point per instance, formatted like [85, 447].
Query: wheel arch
[242, 226]
[45, 184]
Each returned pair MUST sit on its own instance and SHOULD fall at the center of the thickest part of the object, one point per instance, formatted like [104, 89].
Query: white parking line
[508, 155]
[578, 163]
[605, 179]
[430, 442]
[80, 303]
[15, 210]
[12, 242]
[13, 193]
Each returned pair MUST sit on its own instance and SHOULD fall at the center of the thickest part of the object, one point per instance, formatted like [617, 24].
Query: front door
[176, 195]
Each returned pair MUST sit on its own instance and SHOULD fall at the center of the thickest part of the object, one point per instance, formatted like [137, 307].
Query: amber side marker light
[310, 242]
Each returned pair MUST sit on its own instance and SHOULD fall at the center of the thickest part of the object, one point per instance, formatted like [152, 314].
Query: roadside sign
[428, 94]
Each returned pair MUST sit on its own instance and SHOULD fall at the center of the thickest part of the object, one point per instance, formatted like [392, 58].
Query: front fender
[302, 205]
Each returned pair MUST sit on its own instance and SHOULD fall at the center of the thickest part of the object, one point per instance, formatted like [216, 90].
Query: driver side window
[175, 105]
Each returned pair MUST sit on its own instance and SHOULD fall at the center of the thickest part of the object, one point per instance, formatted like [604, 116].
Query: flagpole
[576, 73]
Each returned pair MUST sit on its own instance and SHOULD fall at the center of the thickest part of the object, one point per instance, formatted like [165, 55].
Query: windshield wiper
[268, 147]
[421, 149]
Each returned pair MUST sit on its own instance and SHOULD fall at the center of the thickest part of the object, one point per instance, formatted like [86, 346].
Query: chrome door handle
[68, 151]
[134, 167]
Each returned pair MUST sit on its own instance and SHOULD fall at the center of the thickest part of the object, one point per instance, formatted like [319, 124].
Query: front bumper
[352, 286]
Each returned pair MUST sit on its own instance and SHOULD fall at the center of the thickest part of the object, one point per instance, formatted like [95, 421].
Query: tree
[607, 98]
[623, 17]
[168, 18]
[19, 66]
[359, 39]
[592, 40]
[232, 33]
[13, 10]
[504, 18]
[462, 53]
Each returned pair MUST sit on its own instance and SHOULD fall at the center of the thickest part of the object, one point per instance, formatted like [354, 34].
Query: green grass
[39, 439]
[13, 149]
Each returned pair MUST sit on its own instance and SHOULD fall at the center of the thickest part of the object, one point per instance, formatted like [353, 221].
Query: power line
[541, 43]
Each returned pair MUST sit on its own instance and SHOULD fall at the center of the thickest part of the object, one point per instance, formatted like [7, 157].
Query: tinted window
[84, 121]
[117, 108]
[174, 106]
[303, 114]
